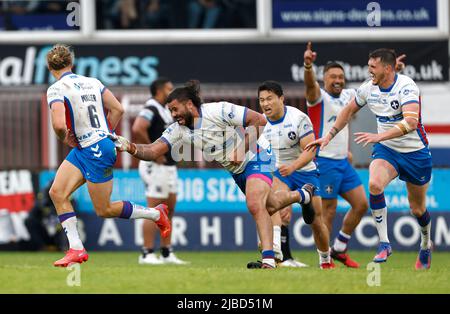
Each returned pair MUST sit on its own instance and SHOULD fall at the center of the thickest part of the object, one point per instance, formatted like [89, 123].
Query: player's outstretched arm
[148, 152]
[115, 108]
[312, 86]
[408, 124]
[342, 120]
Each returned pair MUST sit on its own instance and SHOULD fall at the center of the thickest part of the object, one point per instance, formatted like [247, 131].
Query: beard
[188, 119]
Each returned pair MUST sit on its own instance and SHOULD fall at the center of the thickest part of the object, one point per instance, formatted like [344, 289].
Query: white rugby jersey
[387, 104]
[285, 134]
[215, 133]
[323, 114]
[82, 97]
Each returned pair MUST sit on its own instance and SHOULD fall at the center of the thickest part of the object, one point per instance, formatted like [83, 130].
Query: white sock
[340, 243]
[380, 216]
[425, 234]
[269, 261]
[304, 196]
[144, 212]
[277, 237]
[324, 257]
[70, 227]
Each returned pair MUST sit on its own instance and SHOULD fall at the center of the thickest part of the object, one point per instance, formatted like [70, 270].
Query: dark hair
[191, 91]
[332, 65]
[271, 86]
[387, 56]
[158, 84]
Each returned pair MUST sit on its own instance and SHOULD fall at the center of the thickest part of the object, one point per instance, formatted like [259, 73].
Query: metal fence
[20, 128]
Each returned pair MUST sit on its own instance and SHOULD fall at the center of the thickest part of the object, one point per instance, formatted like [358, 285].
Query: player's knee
[56, 194]
[375, 187]
[254, 207]
[363, 207]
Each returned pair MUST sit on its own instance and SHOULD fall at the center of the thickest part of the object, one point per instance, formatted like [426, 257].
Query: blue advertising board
[353, 13]
[214, 191]
[211, 215]
[41, 22]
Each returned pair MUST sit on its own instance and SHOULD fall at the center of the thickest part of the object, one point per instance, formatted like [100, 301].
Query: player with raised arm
[78, 112]
[337, 176]
[401, 146]
[289, 131]
[217, 130]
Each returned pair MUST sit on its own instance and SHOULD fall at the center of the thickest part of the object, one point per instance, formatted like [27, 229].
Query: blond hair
[60, 57]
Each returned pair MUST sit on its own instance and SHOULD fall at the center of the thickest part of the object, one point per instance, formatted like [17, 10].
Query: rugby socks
[165, 251]
[425, 230]
[324, 257]
[146, 250]
[277, 236]
[285, 249]
[341, 241]
[379, 213]
[268, 257]
[135, 211]
[304, 196]
[69, 224]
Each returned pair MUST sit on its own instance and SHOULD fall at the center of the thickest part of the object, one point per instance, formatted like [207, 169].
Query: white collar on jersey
[279, 120]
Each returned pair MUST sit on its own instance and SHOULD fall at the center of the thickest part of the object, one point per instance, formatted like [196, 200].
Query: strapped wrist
[333, 132]
[404, 127]
[307, 66]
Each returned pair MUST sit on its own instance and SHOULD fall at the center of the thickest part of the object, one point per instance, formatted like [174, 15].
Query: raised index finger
[400, 58]
[309, 46]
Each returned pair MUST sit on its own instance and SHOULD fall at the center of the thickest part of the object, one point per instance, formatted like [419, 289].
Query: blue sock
[64, 217]
[379, 213]
[127, 210]
[425, 230]
[268, 254]
[305, 198]
[343, 237]
[424, 219]
[377, 201]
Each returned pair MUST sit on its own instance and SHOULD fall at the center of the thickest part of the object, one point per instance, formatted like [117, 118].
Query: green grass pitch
[218, 272]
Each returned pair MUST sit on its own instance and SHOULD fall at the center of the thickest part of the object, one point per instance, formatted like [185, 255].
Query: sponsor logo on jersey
[395, 104]
[292, 136]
